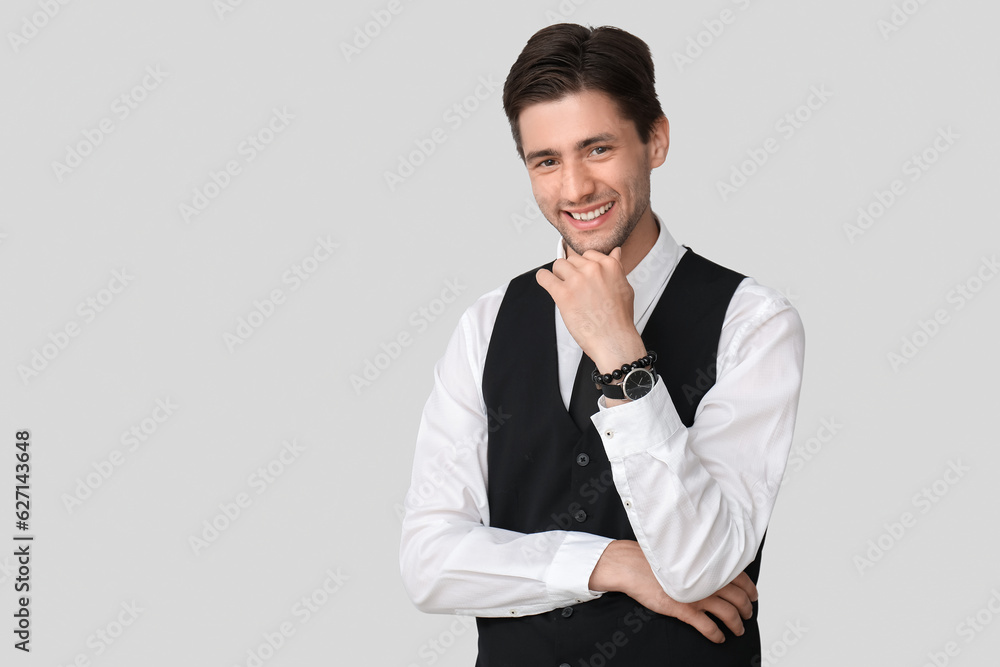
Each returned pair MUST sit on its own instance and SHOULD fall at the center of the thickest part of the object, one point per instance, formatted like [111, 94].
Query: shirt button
[567, 612]
[580, 516]
[609, 434]
[582, 460]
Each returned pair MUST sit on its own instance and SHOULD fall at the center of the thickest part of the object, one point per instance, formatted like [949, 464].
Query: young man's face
[584, 158]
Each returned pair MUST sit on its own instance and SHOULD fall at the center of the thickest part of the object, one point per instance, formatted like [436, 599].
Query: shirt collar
[650, 274]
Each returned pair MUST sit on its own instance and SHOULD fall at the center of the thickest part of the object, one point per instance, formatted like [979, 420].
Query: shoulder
[481, 315]
[753, 300]
[758, 313]
[477, 322]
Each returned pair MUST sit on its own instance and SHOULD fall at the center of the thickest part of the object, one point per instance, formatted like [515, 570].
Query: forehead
[560, 123]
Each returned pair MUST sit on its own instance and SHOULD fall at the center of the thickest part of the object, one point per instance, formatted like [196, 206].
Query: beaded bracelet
[619, 373]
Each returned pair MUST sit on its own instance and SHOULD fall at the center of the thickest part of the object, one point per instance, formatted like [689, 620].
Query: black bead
[607, 378]
[626, 368]
[616, 374]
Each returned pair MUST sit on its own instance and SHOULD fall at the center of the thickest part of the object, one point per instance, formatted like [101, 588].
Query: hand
[623, 567]
[596, 303]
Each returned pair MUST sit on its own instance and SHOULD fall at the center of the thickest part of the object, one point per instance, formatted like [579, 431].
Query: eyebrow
[580, 145]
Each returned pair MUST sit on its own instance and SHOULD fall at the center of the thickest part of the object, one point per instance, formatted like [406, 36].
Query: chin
[604, 241]
[602, 247]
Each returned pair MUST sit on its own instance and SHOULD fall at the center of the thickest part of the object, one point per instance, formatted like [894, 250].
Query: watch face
[638, 383]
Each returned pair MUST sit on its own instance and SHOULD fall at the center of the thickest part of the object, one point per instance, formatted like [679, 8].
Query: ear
[659, 142]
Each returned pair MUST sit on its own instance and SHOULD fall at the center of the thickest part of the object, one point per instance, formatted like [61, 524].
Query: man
[598, 460]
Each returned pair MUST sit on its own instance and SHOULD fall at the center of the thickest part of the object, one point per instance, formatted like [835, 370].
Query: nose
[577, 183]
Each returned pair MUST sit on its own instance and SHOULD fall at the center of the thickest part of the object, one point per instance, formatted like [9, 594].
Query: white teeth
[593, 214]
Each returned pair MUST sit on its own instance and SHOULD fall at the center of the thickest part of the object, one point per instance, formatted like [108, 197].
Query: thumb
[616, 253]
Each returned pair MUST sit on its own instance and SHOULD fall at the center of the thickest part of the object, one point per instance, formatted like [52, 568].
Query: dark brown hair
[566, 58]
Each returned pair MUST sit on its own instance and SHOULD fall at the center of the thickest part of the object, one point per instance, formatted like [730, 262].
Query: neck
[640, 241]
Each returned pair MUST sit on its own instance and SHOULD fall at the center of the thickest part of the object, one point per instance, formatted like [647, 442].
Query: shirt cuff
[636, 426]
[568, 577]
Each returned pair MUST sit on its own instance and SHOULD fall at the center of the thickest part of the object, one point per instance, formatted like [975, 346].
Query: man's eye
[600, 150]
[547, 163]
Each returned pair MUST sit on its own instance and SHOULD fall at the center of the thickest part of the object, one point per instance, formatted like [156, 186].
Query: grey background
[334, 508]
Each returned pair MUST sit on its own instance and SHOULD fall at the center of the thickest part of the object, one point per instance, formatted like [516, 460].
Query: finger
[737, 597]
[547, 281]
[744, 581]
[706, 626]
[725, 612]
[579, 261]
[595, 256]
[610, 261]
[564, 268]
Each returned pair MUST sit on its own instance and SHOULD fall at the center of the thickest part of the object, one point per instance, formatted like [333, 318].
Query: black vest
[545, 474]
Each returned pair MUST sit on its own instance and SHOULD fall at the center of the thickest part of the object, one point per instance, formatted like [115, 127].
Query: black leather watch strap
[617, 391]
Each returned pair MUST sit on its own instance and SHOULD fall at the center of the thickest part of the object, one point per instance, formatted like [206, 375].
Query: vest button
[580, 516]
[582, 460]
[565, 664]
[567, 612]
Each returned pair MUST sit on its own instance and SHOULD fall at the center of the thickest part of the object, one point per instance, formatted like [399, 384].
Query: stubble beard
[637, 192]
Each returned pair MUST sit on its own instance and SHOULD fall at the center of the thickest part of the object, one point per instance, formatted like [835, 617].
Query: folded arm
[451, 560]
[699, 499]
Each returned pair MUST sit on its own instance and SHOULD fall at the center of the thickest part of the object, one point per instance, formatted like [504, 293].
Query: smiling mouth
[590, 215]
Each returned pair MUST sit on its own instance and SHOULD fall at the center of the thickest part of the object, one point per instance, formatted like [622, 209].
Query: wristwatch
[637, 383]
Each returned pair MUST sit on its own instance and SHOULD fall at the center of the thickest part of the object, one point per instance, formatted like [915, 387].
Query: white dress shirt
[698, 499]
